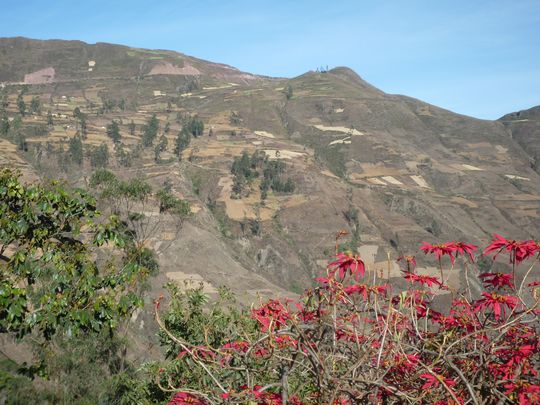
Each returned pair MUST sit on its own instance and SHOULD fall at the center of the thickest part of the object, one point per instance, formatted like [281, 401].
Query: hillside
[391, 169]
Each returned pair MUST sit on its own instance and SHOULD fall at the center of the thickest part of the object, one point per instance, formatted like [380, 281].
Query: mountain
[524, 128]
[390, 169]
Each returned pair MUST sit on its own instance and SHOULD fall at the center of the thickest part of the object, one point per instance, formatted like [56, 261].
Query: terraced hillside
[390, 169]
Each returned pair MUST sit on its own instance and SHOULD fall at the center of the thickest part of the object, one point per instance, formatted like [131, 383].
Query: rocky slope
[391, 169]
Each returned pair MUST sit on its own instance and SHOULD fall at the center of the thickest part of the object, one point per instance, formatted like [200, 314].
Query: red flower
[462, 248]
[357, 289]
[436, 380]
[523, 391]
[240, 346]
[185, 398]
[440, 250]
[271, 315]
[497, 303]
[519, 250]
[497, 280]
[422, 279]
[406, 363]
[286, 342]
[381, 289]
[347, 262]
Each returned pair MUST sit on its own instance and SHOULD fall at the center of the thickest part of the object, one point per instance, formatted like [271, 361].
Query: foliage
[76, 150]
[160, 147]
[182, 141]
[289, 92]
[51, 281]
[113, 131]
[4, 126]
[99, 156]
[354, 340]
[169, 203]
[35, 105]
[21, 105]
[150, 131]
[245, 169]
[131, 199]
[194, 126]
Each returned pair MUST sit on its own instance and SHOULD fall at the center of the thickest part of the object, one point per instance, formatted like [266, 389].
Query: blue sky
[480, 58]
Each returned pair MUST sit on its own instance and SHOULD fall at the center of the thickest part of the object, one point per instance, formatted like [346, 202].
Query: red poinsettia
[361, 289]
[440, 250]
[435, 379]
[185, 398]
[519, 250]
[462, 248]
[347, 263]
[272, 315]
[497, 303]
[430, 281]
[524, 392]
[497, 280]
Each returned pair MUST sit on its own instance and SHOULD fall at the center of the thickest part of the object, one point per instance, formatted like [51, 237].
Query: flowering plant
[355, 338]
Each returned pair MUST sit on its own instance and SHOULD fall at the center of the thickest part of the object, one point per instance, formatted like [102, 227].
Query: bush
[353, 339]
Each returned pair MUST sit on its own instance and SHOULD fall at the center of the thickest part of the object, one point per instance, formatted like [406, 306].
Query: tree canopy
[51, 278]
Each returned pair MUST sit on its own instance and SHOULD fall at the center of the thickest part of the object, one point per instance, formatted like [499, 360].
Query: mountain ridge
[391, 169]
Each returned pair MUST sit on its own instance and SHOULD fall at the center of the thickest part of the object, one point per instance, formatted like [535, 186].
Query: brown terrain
[412, 171]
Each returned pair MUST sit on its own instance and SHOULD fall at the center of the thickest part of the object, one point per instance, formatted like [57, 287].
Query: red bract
[238, 347]
[436, 380]
[519, 250]
[285, 342]
[462, 248]
[497, 280]
[497, 303]
[271, 316]
[422, 279]
[524, 392]
[347, 263]
[440, 250]
[185, 398]
[406, 363]
[361, 289]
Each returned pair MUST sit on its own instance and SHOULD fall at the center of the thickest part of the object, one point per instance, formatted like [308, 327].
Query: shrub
[353, 339]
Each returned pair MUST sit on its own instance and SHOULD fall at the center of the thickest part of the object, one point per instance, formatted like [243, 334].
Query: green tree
[75, 150]
[83, 125]
[169, 203]
[99, 156]
[289, 92]
[194, 126]
[131, 127]
[113, 131]
[160, 147]
[182, 141]
[4, 126]
[50, 121]
[49, 277]
[150, 131]
[21, 105]
[35, 105]
[54, 289]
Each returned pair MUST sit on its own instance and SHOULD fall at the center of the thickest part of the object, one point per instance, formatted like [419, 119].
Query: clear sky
[476, 57]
